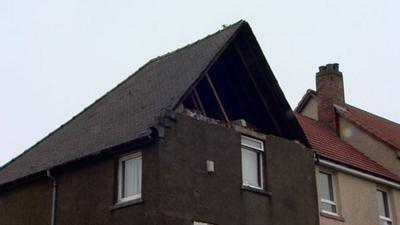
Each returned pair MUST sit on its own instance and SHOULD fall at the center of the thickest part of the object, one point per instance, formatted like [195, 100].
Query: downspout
[54, 198]
[316, 158]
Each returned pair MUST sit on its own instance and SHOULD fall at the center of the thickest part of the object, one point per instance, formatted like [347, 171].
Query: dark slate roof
[124, 113]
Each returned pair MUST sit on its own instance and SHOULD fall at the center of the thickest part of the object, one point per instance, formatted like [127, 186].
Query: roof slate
[327, 144]
[124, 113]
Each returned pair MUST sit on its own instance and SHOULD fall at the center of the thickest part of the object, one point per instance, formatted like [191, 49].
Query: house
[358, 168]
[202, 135]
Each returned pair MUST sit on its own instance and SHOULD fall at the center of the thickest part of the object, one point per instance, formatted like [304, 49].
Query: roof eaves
[394, 177]
[147, 138]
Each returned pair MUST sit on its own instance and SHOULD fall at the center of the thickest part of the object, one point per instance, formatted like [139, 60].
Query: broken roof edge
[239, 24]
[291, 122]
[295, 127]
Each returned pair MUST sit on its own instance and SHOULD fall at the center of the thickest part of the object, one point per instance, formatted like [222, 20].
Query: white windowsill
[331, 215]
[385, 219]
[257, 190]
[130, 198]
[252, 186]
[126, 203]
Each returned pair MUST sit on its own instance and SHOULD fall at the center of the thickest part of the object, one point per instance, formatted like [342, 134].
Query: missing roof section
[240, 86]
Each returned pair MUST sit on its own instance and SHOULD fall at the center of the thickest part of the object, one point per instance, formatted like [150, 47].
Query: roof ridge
[375, 115]
[155, 59]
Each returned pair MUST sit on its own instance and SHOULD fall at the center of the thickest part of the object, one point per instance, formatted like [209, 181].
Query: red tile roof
[327, 144]
[381, 128]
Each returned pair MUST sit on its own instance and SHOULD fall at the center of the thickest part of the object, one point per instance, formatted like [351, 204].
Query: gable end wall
[176, 187]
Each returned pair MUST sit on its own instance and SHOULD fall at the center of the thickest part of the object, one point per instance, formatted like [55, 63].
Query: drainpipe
[316, 158]
[53, 204]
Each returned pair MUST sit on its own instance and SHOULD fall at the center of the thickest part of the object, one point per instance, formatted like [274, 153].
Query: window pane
[132, 177]
[383, 204]
[250, 167]
[326, 186]
[328, 207]
[200, 223]
[381, 208]
[252, 143]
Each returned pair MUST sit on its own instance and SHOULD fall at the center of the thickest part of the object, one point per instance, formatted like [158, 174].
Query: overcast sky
[57, 57]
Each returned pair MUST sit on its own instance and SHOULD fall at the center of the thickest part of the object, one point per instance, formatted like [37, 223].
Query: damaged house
[202, 135]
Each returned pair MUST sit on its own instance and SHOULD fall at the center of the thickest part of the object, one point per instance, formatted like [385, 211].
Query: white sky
[57, 57]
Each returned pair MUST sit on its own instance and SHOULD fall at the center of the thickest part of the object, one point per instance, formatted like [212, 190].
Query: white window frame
[381, 217]
[120, 177]
[258, 150]
[328, 201]
[201, 223]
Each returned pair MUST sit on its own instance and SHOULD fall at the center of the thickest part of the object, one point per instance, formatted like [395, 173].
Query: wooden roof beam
[221, 107]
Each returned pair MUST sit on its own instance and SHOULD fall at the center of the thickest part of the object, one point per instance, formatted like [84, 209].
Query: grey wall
[176, 187]
[26, 204]
[188, 192]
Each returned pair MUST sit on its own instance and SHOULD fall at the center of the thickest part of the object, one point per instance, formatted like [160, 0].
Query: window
[130, 177]
[327, 193]
[201, 223]
[252, 162]
[383, 208]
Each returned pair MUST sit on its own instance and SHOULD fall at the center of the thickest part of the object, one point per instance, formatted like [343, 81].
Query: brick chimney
[330, 92]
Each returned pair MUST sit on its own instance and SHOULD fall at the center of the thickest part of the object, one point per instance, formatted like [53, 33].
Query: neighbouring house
[201, 135]
[358, 165]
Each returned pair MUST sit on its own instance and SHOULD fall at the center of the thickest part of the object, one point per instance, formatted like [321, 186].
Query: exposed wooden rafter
[264, 103]
[217, 98]
[198, 101]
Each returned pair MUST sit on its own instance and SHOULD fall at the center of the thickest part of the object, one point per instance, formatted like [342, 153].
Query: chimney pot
[330, 92]
[322, 68]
